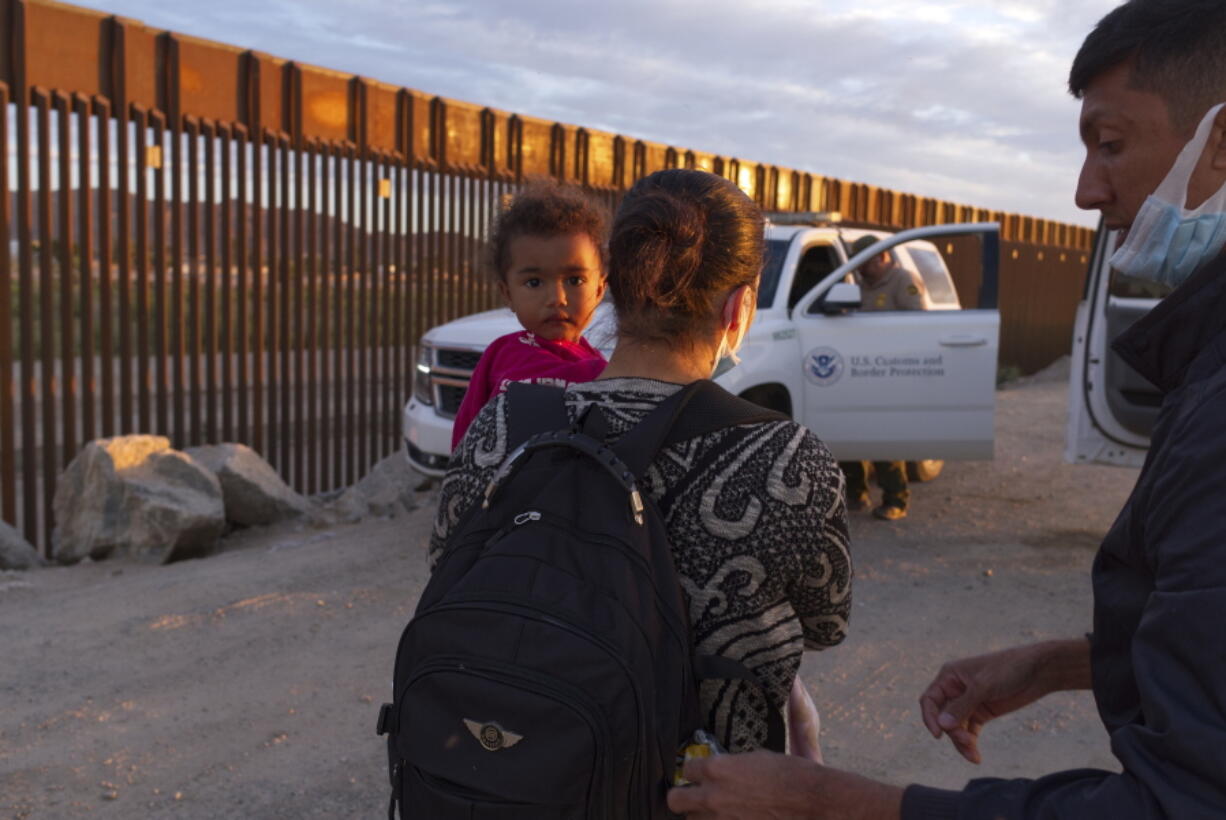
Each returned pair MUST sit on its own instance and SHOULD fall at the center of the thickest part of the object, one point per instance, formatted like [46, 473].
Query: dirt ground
[247, 684]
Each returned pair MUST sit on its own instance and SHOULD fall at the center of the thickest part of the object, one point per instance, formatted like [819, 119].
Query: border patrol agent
[885, 285]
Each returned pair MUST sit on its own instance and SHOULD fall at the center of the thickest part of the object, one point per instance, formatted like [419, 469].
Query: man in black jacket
[1151, 77]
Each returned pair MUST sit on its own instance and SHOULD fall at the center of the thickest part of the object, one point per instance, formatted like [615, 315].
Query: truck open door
[928, 375]
[1112, 408]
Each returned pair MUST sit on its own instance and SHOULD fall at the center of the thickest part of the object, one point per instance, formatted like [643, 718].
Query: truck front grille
[458, 359]
[451, 373]
[449, 399]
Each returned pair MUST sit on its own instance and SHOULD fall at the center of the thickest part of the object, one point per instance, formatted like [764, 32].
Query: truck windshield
[776, 250]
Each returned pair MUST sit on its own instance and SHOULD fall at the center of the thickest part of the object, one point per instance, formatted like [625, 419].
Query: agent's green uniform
[899, 289]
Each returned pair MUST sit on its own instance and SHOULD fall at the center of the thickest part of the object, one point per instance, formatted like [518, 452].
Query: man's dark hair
[1178, 49]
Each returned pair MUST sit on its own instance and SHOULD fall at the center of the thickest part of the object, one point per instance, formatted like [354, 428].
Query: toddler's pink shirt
[525, 357]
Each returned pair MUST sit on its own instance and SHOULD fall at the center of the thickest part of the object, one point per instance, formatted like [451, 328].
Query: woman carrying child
[757, 522]
[547, 249]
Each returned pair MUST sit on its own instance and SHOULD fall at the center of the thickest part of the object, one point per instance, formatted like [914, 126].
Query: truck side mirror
[841, 298]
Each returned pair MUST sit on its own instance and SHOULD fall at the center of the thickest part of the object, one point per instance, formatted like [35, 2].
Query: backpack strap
[717, 667]
[713, 408]
[698, 408]
[532, 409]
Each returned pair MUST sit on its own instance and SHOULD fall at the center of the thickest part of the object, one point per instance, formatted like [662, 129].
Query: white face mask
[725, 356]
[1168, 243]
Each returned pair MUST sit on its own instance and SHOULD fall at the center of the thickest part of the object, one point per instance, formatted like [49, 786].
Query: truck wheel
[925, 470]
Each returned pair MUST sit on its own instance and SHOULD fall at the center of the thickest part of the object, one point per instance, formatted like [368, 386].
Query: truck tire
[926, 470]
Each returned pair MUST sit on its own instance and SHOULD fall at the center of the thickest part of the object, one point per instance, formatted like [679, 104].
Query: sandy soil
[247, 684]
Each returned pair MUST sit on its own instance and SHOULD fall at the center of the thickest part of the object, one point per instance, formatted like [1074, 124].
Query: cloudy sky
[959, 99]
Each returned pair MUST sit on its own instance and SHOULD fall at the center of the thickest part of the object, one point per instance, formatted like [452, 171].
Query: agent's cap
[863, 242]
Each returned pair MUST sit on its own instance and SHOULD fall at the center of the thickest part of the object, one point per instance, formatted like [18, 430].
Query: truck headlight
[422, 389]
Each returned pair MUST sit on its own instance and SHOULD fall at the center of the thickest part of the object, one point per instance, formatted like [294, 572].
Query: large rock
[15, 551]
[253, 492]
[133, 496]
[388, 490]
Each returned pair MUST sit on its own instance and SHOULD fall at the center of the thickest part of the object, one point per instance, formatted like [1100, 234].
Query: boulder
[388, 490]
[15, 551]
[133, 496]
[253, 492]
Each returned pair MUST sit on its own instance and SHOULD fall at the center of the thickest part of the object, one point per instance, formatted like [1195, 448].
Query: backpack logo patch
[491, 736]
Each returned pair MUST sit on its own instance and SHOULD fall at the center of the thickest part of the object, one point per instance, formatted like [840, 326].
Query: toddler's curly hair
[546, 209]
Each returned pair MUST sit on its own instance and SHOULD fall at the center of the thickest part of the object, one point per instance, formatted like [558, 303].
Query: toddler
[548, 258]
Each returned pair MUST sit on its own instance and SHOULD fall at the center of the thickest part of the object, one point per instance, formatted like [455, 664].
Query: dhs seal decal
[824, 366]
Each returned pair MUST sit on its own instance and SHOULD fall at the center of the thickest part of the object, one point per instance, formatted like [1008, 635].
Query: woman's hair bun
[679, 238]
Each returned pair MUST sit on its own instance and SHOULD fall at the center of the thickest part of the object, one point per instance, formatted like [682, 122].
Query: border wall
[215, 244]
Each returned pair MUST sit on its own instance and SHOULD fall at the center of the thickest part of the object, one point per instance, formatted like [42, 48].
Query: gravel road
[247, 684]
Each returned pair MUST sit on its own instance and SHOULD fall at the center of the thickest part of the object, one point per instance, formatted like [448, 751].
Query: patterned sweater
[759, 539]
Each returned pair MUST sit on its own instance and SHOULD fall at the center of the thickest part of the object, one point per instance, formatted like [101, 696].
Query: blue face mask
[1168, 243]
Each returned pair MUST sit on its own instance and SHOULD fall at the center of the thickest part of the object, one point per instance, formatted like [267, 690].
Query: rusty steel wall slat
[388, 305]
[242, 253]
[190, 359]
[106, 297]
[438, 288]
[68, 359]
[271, 305]
[304, 294]
[124, 250]
[284, 314]
[351, 275]
[385, 304]
[466, 281]
[370, 347]
[225, 235]
[164, 383]
[8, 418]
[493, 199]
[402, 340]
[212, 415]
[451, 264]
[172, 347]
[85, 254]
[456, 238]
[328, 273]
[300, 415]
[473, 200]
[362, 308]
[256, 255]
[430, 249]
[315, 410]
[421, 292]
[46, 287]
[338, 302]
[473, 274]
[25, 299]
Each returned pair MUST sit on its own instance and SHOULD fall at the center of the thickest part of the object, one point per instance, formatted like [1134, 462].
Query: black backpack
[548, 672]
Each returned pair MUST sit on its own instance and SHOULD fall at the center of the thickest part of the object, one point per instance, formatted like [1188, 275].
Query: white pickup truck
[899, 385]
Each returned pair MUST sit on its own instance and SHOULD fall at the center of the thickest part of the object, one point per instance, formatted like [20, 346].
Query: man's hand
[968, 693]
[770, 786]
